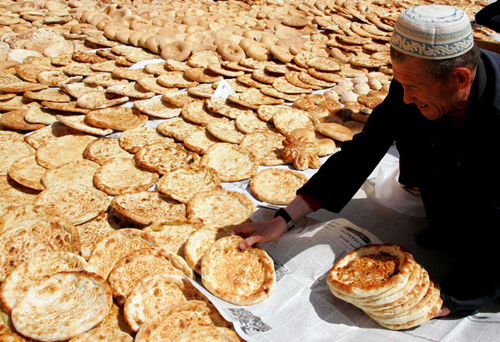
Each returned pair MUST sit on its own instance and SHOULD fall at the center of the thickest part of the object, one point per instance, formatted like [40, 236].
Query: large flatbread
[63, 150]
[219, 208]
[182, 184]
[131, 269]
[36, 237]
[171, 234]
[176, 319]
[82, 298]
[77, 203]
[115, 246]
[241, 277]
[155, 292]
[199, 242]
[277, 186]
[80, 172]
[133, 140]
[371, 270]
[33, 270]
[231, 162]
[148, 206]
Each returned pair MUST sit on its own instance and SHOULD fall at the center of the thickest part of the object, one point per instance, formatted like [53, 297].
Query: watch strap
[288, 219]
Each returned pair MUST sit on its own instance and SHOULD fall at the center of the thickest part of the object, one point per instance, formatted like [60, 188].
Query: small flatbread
[288, 120]
[53, 95]
[231, 162]
[15, 120]
[178, 128]
[153, 293]
[13, 193]
[118, 118]
[63, 150]
[40, 115]
[10, 151]
[83, 298]
[65, 107]
[199, 242]
[179, 99]
[197, 113]
[152, 85]
[249, 122]
[222, 272]
[115, 246]
[265, 146]
[175, 79]
[171, 234]
[165, 157]
[200, 141]
[277, 186]
[176, 319]
[77, 203]
[33, 270]
[27, 172]
[131, 89]
[219, 208]
[158, 108]
[183, 183]
[131, 269]
[99, 100]
[147, 206]
[119, 175]
[36, 236]
[105, 149]
[56, 130]
[78, 89]
[266, 112]
[104, 80]
[226, 131]
[226, 108]
[134, 139]
[79, 122]
[80, 172]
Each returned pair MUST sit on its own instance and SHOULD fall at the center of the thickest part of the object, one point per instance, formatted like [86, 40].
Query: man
[443, 111]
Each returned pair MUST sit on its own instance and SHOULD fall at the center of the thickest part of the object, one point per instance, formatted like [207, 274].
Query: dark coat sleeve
[343, 173]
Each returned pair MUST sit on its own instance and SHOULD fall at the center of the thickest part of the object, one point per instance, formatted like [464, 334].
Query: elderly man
[443, 111]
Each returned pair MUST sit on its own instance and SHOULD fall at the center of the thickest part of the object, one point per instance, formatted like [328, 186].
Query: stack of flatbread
[387, 284]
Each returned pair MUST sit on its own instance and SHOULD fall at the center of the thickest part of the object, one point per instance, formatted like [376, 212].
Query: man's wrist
[290, 223]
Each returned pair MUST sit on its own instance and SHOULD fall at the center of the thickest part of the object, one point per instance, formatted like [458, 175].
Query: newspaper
[301, 308]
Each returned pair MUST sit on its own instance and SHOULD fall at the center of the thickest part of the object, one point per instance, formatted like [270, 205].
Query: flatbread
[226, 131]
[226, 108]
[115, 246]
[33, 270]
[80, 172]
[105, 149]
[62, 150]
[288, 120]
[77, 203]
[176, 319]
[277, 186]
[81, 297]
[10, 151]
[200, 141]
[219, 208]
[241, 277]
[153, 293]
[183, 183]
[196, 112]
[265, 146]
[13, 193]
[171, 234]
[199, 242]
[201, 334]
[130, 270]
[36, 237]
[115, 320]
[36, 139]
[147, 206]
[79, 122]
[249, 122]
[118, 118]
[27, 172]
[103, 334]
[158, 108]
[231, 162]
[178, 128]
[165, 157]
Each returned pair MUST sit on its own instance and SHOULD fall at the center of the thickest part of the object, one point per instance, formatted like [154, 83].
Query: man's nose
[409, 96]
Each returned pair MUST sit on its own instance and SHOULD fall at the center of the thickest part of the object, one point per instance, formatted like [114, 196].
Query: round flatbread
[10, 151]
[199, 242]
[80, 172]
[13, 193]
[165, 157]
[148, 206]
[388, 266]
[153, 293]
[104, 335]
[118, 118]
[133, 140]
[178, 128]
[177, 319]
[56, 130]
[130, 270]
[63, 150]
[277, 186]
[171, 234]
[33, 270]
[118, 176]
[36, 237]
[288, 120]
[231, 162]
[200, 141]
[115, 320]
[265, 146]
[105, 149]
[77, 203]
[182, 184]
[241, 277]
[27, 172]
[219, 208]
[110, 249]
[82, 298]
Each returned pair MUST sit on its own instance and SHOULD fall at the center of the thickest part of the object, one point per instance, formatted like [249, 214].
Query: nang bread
[171, 234]
[199, 242]
[209, 333]
[241, 277]
[153, 293]
[81, 299]
[103, 334]
[146, 262]
[277, 186]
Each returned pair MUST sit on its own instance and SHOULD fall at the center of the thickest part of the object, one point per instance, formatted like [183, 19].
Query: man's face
[434, 98]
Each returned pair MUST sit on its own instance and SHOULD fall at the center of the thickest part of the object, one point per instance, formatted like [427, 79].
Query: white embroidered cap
[433, 32]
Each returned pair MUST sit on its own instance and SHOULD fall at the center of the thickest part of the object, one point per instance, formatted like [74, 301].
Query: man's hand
[259, 232]
[444, 311]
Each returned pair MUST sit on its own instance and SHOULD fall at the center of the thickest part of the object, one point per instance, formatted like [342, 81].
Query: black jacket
[456, 172]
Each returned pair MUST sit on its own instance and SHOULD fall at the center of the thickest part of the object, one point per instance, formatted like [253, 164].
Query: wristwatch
[288, 219]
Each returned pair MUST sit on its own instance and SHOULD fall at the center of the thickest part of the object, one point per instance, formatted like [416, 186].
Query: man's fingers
[250, 241]
[245, 229]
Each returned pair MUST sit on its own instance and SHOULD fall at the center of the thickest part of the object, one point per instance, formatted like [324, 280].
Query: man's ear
[463, 77]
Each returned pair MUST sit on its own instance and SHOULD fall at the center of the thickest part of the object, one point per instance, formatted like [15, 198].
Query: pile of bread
[387, 284]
